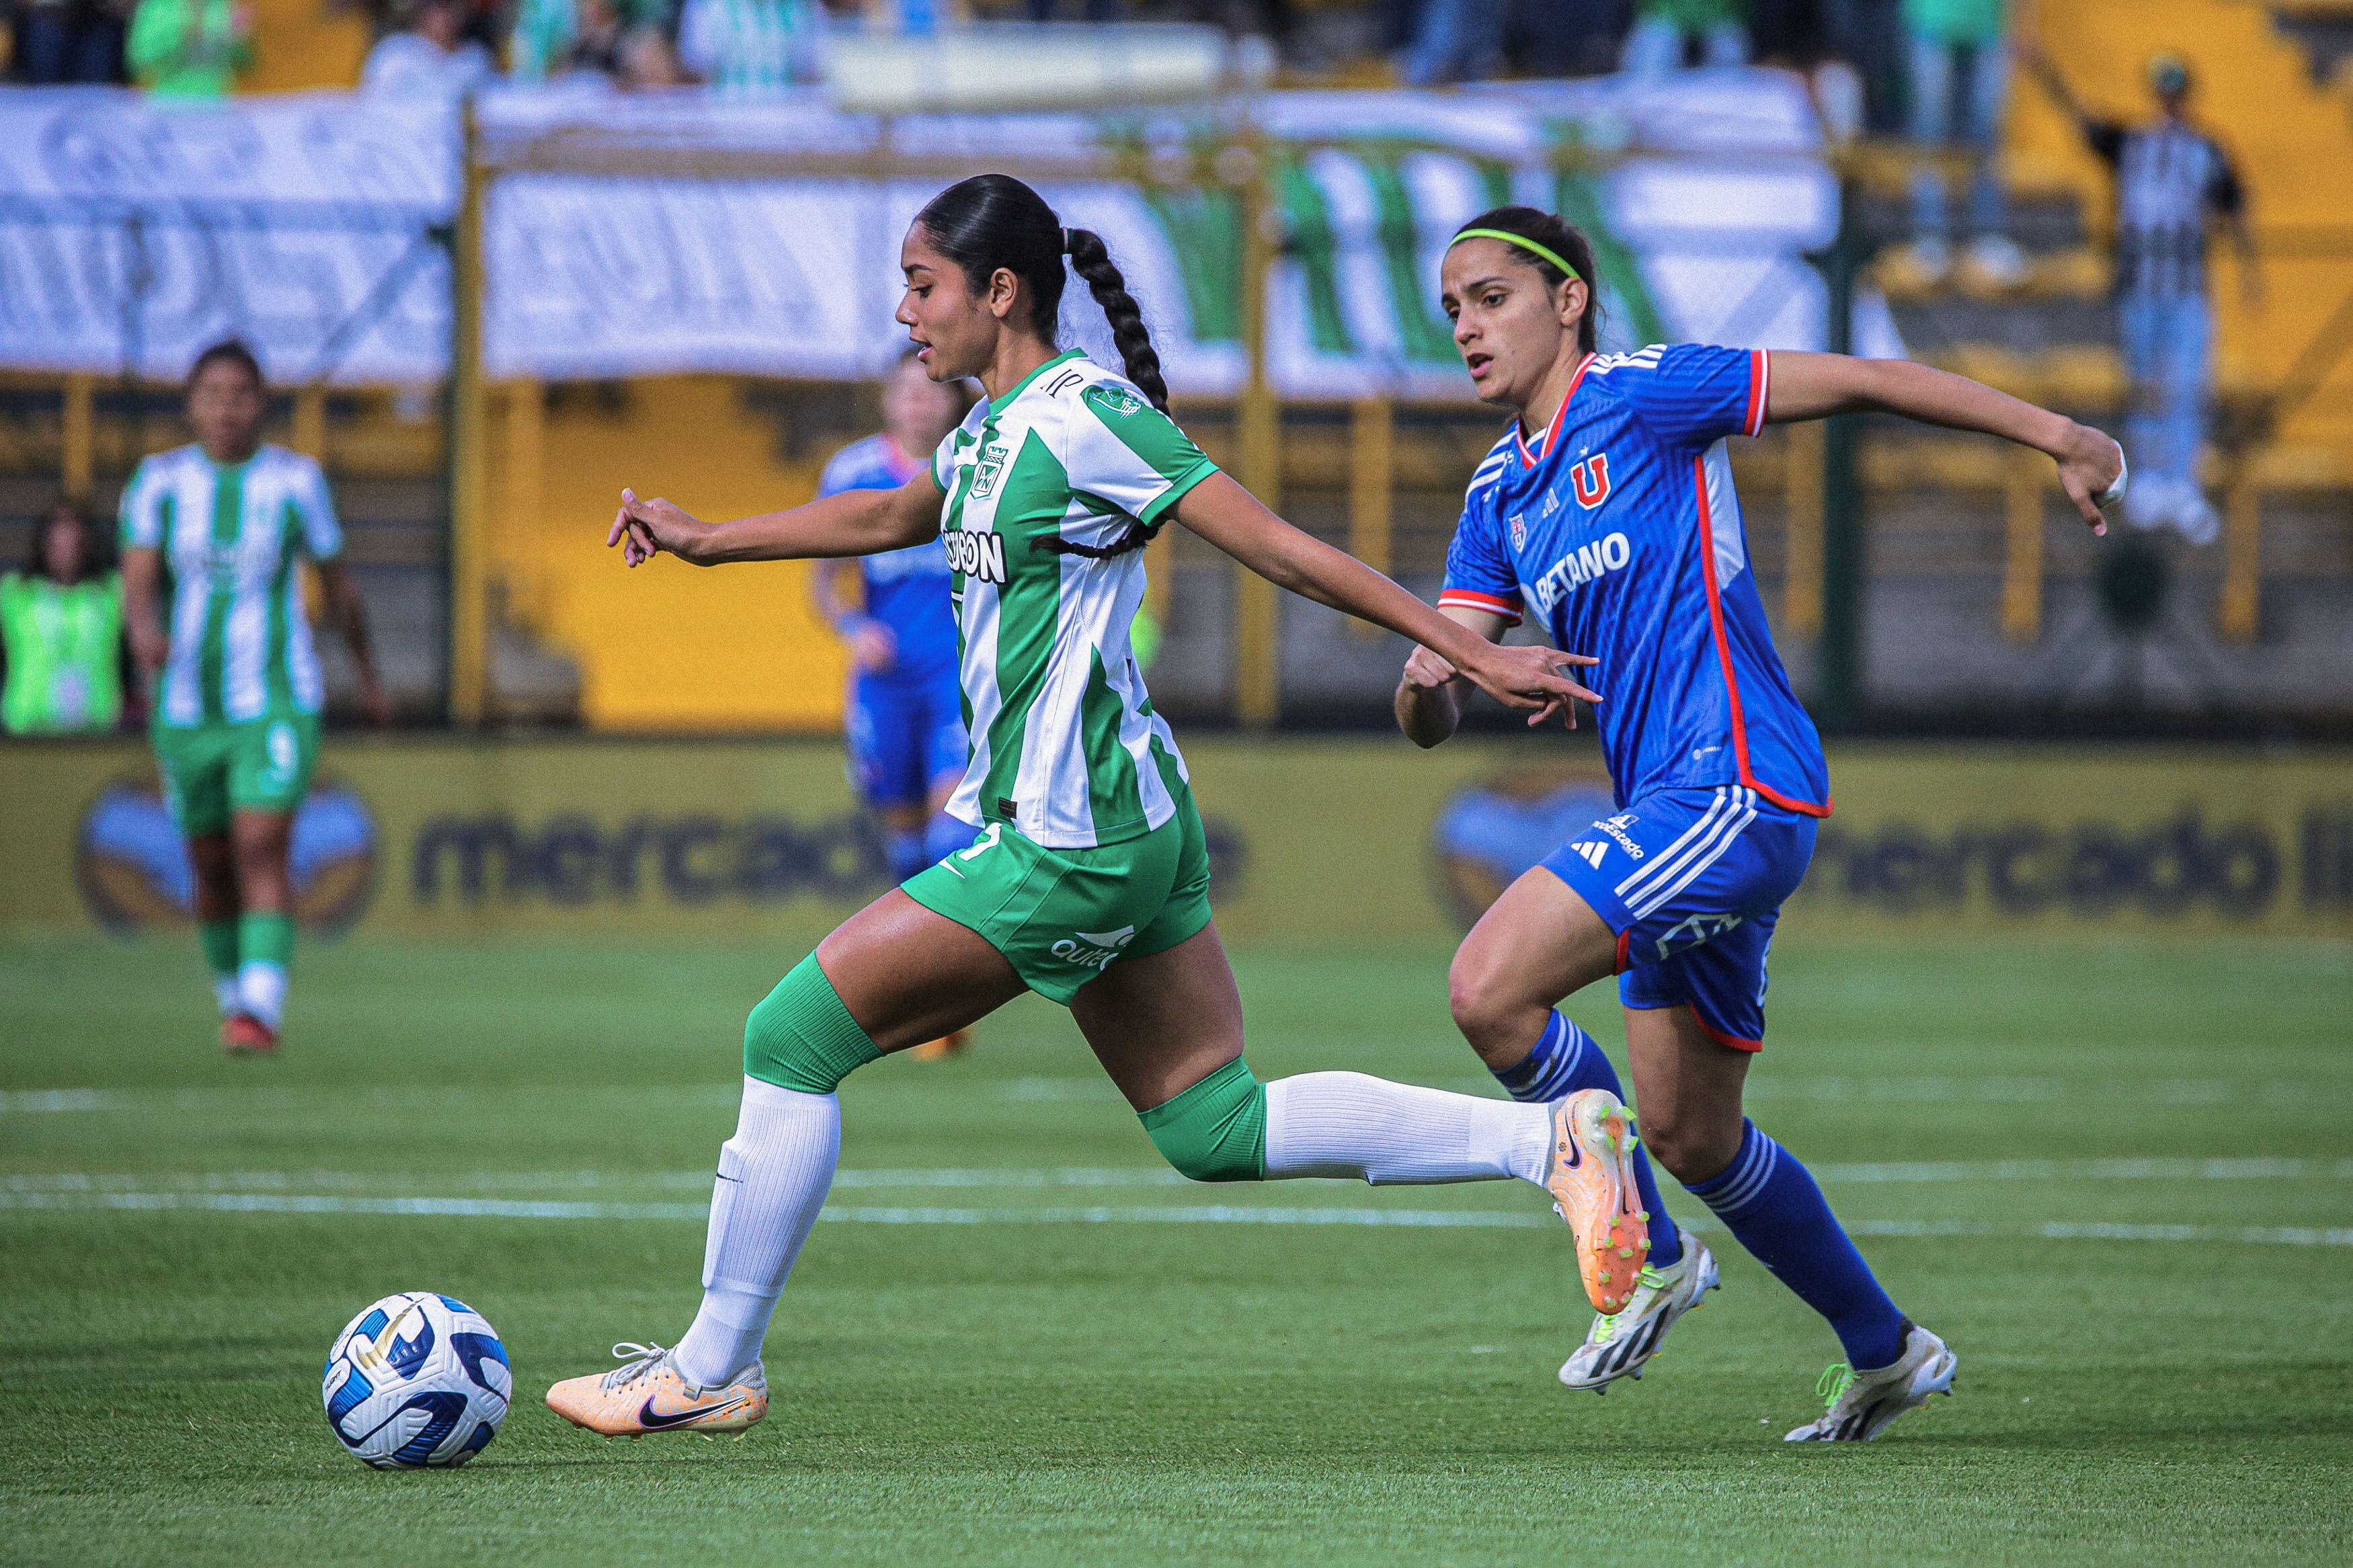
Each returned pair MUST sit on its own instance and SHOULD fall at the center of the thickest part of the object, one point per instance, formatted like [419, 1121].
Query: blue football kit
[905, 722]
[1619, 532]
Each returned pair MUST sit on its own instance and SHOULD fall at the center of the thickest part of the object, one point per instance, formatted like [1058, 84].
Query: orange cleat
[243, 1035]
[1591, 1180]
[943, 1047]
[650, 1394]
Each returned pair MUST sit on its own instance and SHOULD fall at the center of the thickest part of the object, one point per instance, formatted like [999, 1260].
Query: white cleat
[1860, 1405]
[1616, 1346]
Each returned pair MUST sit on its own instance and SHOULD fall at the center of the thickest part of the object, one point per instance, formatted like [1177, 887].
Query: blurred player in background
[2175, 183]
[904, 719]
[1608, 514]
[1088, 879]
[236, 683]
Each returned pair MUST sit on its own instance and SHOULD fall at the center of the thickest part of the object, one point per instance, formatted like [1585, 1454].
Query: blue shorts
[904, 735]
[1693, 882]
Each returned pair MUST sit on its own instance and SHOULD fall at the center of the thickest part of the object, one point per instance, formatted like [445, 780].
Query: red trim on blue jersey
[1625, 951]
[1559, 422]
[1760, 386]
[1468, 599]
[1730, 1042]
[1723, 654]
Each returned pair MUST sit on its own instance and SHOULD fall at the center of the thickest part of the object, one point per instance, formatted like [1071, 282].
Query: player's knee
[1490, 1015]
[1215, 1131]
[801, 1036]
[1688, 1147]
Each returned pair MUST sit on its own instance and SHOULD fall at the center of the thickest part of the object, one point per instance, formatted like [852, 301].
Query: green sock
[218, 939]
[802, 1038]
[267, 935]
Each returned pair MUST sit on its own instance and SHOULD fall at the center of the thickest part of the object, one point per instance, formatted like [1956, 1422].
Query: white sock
[224, 993]
[1348, 1124]
[261, 989]
[773, 1178]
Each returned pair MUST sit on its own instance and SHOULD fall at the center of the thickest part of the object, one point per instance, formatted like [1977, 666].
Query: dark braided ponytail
[993, 221]
[1091, 262]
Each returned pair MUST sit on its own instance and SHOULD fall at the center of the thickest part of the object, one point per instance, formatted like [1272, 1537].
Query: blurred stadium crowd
[1880, 62]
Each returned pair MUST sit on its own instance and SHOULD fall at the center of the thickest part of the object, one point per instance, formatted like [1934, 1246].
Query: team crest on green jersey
[991, 467]
[1115, 400]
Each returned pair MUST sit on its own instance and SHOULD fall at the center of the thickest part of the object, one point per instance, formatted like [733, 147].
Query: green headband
[1522, 241]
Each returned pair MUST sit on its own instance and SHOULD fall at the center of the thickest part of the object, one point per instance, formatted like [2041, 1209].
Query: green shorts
[212, 770]
[1062, 917]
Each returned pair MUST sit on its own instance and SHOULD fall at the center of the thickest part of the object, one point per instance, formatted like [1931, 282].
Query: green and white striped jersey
[230, 534]
[1063, 731]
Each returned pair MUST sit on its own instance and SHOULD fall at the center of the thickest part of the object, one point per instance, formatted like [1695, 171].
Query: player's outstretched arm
[854, 522]
[1231, 517]
[1429, 699]
[1814, 386]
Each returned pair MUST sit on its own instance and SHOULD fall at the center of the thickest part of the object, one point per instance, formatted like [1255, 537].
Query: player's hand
[645, 528]
[150, 646]
[375, 706]
[1529, 677]
[871, 646]
[2090, 463]
[1427, 671]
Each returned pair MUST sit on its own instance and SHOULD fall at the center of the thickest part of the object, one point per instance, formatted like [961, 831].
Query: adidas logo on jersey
[1591, 853]
[1582, 565]
[1093, 949]
[976, 552]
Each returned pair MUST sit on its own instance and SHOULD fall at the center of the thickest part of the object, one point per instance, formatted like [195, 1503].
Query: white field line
[514, 1208]
[344, 1097]
[1016, 1178]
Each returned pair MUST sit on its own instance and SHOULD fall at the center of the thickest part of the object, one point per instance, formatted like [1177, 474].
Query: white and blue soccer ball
[418, 1380]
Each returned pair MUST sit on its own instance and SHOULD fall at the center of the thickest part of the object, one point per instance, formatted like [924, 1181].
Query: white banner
[133, 234]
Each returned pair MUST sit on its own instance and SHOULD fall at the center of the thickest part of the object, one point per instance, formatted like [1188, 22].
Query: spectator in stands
[431, 59]
[1665, 30]
[190, 49]
[1961, 85]
[548, 33]
[2173, 181]
[1455, 40]
[1089, 10]
[57, 41]
[62, 652]
[745, 48]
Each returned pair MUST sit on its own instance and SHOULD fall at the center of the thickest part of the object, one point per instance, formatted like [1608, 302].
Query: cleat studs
[1625, 1252]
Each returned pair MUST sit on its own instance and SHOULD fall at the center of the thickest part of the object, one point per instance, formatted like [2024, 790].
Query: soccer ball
[416, 1380]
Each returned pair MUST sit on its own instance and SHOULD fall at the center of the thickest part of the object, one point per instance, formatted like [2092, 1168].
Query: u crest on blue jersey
[1519, 532]
[1590, 479]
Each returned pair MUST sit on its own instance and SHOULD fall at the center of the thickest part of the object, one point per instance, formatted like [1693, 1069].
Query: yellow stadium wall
[664, 646]
[305, 44]
[2294, 143]
[1313, 839]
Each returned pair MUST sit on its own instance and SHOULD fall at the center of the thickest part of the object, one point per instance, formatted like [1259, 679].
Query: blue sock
[905, 853]
[945, 836]
[1773, 1208]
[1565, 1061]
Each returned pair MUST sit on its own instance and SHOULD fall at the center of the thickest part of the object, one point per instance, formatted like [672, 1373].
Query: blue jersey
[906, 590]
[1619, 532]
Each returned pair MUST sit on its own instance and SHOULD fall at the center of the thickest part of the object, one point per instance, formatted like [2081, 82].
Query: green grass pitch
[999, 1355]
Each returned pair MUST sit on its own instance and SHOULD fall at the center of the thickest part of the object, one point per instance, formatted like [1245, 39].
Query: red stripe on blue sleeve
[1469, 599]
[1760, 385]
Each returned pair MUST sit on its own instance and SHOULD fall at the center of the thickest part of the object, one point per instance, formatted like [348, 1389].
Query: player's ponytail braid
[993, 221]
[1137, 357]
